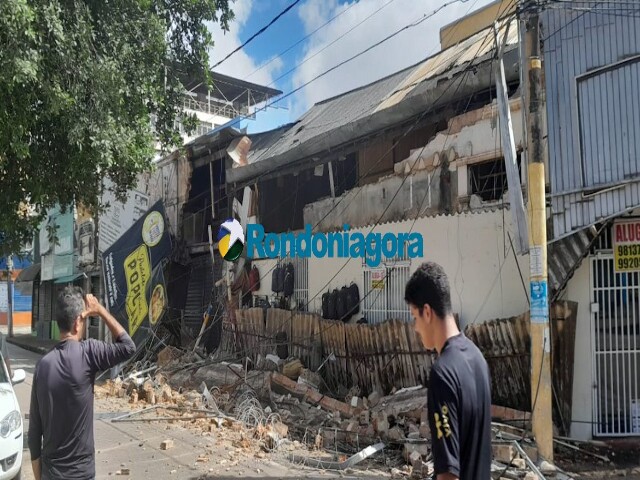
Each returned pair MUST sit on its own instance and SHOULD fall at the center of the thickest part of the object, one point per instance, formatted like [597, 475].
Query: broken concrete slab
[409, 448]
[310, 395]
[408, 404]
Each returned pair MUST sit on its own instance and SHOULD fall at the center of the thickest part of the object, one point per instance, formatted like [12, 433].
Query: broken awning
[29, 274]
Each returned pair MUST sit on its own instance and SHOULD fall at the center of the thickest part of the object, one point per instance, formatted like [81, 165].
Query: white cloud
[408, 48]
[240, 65]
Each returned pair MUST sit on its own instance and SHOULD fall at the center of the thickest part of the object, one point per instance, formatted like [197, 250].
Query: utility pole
[10, 295]
[541, 387]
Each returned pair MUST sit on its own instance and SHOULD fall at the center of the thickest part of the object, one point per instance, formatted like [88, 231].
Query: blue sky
[358, 25]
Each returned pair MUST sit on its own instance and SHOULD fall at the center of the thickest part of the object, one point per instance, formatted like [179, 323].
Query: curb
[26, 346]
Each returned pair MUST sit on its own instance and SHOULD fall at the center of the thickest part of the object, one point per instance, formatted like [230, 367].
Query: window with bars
[383, 293]
[489, 179]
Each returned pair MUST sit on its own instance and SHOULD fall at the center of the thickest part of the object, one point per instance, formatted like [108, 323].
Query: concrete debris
[260, 411]
[166, 445]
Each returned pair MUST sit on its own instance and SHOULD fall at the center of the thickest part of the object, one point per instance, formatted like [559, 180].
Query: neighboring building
[349, 160]
[22, 291]
[592, 71]
[227, 99]
[76, 260]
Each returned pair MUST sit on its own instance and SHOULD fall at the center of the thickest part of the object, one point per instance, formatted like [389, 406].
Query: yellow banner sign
[137, 269]
[626, 245]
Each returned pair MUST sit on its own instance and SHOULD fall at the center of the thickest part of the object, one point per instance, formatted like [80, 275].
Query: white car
[11, 428]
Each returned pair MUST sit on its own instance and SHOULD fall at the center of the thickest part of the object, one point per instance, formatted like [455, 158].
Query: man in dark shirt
[459, 394]
[61, 415]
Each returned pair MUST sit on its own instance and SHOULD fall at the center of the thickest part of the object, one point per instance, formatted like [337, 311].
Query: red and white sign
[626, 245]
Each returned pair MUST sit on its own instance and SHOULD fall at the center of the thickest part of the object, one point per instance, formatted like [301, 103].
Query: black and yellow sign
[133, 274]
[626, 245]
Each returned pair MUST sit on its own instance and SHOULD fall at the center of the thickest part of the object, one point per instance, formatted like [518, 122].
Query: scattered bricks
[367, 432]
[546, 467]
[509, 414]
[531, 451]
[374, 399]
[414, 436]
[166, 444]
[415, 459]
[425, 431]
[281, 429]
[503, 453]
[424, 416]
[166, 394]
[395, 434]
[531, 476]
[409, 448]
[123, 471]
[357, 402]
[352, 431]
[519, 463]
[202, 459]
[380, 423]
[167, 355]
[413, 428]
[312, 396]
[134, 397]
[365, 417]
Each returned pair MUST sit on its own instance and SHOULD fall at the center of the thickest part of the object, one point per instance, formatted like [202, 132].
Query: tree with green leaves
[79, 82]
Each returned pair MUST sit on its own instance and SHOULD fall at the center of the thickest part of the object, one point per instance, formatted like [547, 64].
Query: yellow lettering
[445, 421]
[138, 273]
[438, 425]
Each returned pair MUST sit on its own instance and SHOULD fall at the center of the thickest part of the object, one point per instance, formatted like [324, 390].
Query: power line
[420, 117]
[404, 179]
[359, 54]
[270, 104]
[332, 43]
[258, 33]
[303, 39]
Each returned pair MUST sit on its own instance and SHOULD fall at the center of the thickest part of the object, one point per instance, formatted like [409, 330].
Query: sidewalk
[32, 343]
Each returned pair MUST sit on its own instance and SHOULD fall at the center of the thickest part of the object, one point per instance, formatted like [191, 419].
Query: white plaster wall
[485, 284]
[578, 290]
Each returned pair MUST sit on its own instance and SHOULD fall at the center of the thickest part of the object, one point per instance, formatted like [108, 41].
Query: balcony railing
[214, 108]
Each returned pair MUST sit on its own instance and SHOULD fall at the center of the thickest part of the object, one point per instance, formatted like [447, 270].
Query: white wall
[578, 290]
[471, 247]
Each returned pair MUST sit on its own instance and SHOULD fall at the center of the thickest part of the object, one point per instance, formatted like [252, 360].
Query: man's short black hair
[429, 285]
[70, 305]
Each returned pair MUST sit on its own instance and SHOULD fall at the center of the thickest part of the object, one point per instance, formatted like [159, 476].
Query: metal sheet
[592, 115]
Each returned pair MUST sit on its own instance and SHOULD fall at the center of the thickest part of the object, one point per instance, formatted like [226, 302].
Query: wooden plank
[333, 341]
[357, 359]
[407, 357]
[278, 320]
[372, 346]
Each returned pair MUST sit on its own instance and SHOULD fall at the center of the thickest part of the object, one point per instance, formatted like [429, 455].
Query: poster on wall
[626, 245]
[135, 289]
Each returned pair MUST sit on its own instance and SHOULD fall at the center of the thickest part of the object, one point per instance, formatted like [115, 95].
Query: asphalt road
[136, 446]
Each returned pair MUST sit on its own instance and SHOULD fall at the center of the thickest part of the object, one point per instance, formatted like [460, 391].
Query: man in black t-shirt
[459, 394]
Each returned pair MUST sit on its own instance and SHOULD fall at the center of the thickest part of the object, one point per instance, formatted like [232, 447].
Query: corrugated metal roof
[384, 103]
